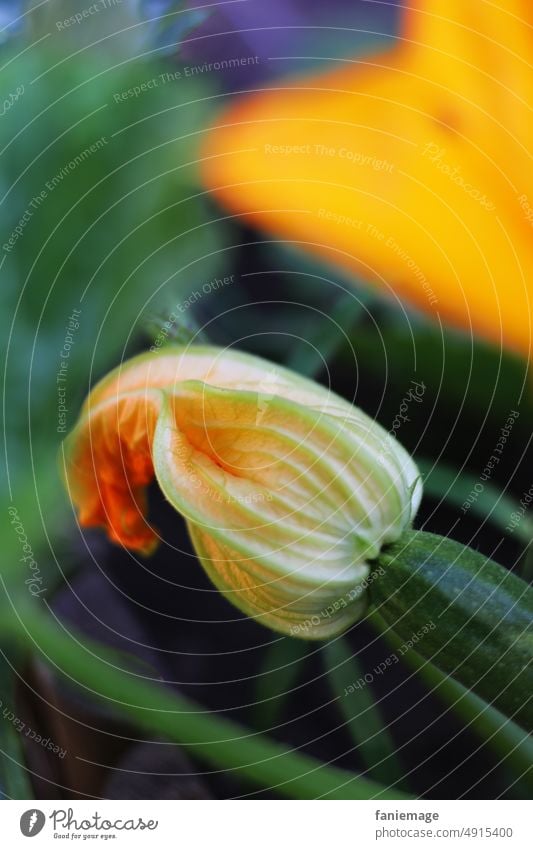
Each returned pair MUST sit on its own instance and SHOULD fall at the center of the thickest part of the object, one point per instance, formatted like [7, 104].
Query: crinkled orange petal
[108, 465]
[411, 168]
[108, 456]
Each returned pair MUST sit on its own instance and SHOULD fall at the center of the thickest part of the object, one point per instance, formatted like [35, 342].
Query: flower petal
[108, 465]
[411, 168]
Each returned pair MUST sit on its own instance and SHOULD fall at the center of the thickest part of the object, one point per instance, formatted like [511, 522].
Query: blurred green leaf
[14, 781]
[216, 740]
[362, 715]
[276, 679]
[465, 371]
[33, 515]
[509, 741]
[455, 486]
[325, 335]
[101, 212]
[526, 565]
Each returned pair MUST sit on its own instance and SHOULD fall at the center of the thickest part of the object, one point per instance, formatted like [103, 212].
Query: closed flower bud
[288, 491]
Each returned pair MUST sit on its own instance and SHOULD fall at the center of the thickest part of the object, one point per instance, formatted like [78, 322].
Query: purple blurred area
[288, 36]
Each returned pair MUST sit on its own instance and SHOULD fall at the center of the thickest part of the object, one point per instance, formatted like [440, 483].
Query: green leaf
[14, 781]
[275, 681]
[102, 213]
[324, 335]
[455, 486]
[508, 741]
[526, 565]
[218, 741]
[361, 714]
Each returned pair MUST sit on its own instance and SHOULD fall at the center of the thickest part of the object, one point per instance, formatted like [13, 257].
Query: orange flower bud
[288, 490]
